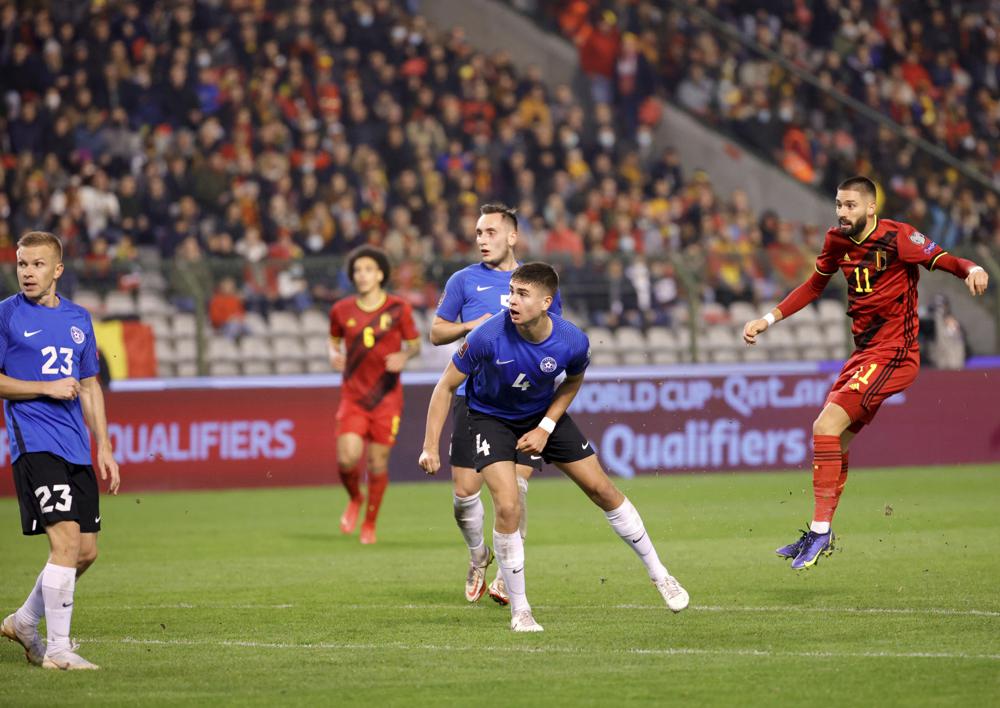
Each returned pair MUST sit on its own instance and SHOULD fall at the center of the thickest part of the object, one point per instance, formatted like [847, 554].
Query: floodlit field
[255, 598]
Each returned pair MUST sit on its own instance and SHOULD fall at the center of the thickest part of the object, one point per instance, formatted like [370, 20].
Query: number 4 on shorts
[482, 446]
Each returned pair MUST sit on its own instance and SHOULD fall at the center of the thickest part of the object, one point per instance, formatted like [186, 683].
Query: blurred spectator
[226, 310]
[598, 45]
[190, 277]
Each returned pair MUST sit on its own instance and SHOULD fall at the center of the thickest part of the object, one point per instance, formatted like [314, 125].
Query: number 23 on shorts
[862, 376]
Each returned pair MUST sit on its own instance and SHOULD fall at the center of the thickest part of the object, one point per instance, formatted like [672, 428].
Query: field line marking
[938, 611]
[724, 608]
[665, 651]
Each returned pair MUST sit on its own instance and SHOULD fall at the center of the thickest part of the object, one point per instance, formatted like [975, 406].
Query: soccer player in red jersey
[372, 335]
[879, 259]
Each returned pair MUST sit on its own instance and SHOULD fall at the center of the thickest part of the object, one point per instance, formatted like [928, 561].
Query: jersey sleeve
[450, 306]
[336, 326]
[89, 364]
[828, 260]
[407, 327]
[476, 348]
[556, 306]
[579, 363]
[914, 247]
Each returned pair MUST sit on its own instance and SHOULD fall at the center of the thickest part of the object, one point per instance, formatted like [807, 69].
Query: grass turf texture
[254, 597]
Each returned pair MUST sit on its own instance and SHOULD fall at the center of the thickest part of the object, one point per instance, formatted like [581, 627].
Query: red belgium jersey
[368, 338]
[882, 273]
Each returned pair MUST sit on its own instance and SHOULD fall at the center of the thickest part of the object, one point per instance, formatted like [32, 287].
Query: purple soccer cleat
[792, 549]
[813, 546]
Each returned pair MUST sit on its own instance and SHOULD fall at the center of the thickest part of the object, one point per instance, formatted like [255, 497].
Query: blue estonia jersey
[478, 290]
[39, 343]
[512, 378]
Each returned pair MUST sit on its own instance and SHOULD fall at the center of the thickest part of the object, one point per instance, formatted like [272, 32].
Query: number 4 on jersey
[522, 382]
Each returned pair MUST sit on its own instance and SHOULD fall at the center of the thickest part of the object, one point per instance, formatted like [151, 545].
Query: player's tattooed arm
[92, 402]
[437, 412]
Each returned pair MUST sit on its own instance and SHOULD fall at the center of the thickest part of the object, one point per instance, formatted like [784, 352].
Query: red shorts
[379, 425]
[870, 377]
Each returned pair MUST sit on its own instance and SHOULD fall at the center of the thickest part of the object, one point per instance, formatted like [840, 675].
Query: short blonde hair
[42, 238]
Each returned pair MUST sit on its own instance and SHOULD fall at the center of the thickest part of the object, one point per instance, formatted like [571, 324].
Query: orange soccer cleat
[349, 519]
[368, 533]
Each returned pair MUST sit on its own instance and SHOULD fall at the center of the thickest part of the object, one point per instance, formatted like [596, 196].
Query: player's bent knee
[824, 426]
[507, 512]
[86, 558]
[467, 481]
[606, 495]
[348, 460]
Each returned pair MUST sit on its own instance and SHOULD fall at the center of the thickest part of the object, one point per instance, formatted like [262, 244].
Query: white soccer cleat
[475, 580]
[498, 590]
[523, 622]
[673, 594]
[27, 637]
[67, 661]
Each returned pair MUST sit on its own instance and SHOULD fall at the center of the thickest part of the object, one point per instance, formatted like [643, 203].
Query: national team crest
[548, 365]
[918, 238]
[77, 334]
[880, 262]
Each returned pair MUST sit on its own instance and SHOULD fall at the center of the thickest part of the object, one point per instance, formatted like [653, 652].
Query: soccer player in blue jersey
[48, 360]
[471, 296]
[511, 362]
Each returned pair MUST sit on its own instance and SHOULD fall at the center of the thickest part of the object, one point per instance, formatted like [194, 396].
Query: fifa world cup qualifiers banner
[189, 434]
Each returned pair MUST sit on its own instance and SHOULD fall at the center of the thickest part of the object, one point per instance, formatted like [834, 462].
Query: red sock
[376, 488]
[351, 479]
[826, 475]
[841, 481]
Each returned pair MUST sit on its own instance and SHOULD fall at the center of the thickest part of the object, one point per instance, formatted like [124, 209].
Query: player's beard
[496, 258]
[855, 227]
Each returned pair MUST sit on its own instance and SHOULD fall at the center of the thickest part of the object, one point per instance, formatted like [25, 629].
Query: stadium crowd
[932, 67]
[239, 139]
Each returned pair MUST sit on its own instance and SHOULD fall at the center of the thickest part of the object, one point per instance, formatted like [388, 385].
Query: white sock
[627, 523]
[469, 516]
[58, 583]
[522, 497]
[509, 548]
[33, 609]
[820, 526]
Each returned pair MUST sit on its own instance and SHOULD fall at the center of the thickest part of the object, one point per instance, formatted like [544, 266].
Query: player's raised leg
[626, 522]
[378, 481]
[350, 446]
[507, 542]
[828, 430]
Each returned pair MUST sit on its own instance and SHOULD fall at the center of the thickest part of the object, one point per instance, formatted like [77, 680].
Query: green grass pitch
[255, 598]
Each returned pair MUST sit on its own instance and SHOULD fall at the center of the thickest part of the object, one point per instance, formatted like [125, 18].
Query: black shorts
[495, 439]
[50, 489]
[462, 451]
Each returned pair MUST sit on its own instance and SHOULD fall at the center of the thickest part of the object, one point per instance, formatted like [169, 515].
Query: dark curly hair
[376, 254]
